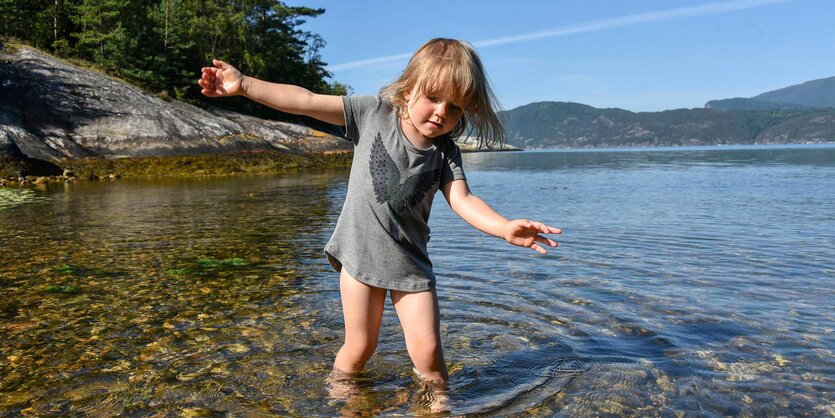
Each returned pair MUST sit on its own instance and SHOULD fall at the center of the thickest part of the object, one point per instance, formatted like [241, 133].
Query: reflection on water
[12, 197]
[688, 282]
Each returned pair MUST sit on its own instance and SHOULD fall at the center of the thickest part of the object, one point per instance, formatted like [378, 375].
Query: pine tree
[102, 36]
[160, 44]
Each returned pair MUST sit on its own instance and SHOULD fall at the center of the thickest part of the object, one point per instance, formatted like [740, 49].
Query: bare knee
[427, 355]
[426, 346]
[363, 348]
[354, 354]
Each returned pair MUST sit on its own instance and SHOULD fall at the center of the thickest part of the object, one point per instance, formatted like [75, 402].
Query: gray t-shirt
[381, 235]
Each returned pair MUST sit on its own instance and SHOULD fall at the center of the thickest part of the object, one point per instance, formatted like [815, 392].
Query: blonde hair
[452, 67]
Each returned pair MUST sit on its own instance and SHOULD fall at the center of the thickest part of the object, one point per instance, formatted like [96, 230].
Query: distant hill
[561, 125]
[818, 93]
[804, 113]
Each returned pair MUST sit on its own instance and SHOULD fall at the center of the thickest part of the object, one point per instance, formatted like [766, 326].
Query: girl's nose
[440, 109]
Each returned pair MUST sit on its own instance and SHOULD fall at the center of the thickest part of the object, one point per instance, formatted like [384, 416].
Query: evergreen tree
[161, 44]
[102, 36]
[160, 59]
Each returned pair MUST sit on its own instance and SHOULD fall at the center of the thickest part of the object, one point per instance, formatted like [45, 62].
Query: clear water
[689, 282]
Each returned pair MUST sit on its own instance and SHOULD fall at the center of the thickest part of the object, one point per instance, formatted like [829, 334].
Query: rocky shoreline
[57, 116]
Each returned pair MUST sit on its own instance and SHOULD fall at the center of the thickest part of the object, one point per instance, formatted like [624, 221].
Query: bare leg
[420, 318]
[362, 309]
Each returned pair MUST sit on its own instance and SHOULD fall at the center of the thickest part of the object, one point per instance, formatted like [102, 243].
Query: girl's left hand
[525, 233]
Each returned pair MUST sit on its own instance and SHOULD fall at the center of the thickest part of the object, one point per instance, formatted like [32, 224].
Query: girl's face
[431, 114]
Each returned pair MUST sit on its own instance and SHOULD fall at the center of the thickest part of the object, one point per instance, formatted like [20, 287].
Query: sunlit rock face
[52, 110]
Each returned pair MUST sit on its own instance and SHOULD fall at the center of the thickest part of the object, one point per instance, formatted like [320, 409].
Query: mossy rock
[226, 262]
[66, 290]
[66, 269]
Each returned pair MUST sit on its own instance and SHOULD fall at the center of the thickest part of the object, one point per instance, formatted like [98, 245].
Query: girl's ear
[412, 92]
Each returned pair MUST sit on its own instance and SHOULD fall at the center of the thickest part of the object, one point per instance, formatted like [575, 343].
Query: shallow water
[689, 282]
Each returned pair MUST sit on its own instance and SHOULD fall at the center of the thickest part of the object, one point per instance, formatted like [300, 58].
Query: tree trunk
[55, 24]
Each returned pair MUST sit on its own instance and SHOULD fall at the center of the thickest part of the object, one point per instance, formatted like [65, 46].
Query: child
[404, 153]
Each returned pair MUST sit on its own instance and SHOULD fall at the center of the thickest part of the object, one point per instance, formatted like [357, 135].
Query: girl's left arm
[521, 232]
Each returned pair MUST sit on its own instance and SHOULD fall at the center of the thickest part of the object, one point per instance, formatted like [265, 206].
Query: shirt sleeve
[357, 111]
[453, 168]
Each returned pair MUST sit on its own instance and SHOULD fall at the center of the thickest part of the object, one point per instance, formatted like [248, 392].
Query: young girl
[404, 153]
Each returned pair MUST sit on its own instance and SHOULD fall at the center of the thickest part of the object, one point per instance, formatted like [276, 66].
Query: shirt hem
[382, 284]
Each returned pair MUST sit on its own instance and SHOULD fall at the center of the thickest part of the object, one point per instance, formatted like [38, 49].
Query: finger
[219, 64]
[547, 229]
[542, 227]
[538, 248]
[207, 89]
[539, 226]
[542, 240]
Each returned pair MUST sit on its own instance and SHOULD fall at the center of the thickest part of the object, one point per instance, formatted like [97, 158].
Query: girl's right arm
[224, 80]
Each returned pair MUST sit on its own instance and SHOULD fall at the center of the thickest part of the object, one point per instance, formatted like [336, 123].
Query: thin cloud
[591, 26]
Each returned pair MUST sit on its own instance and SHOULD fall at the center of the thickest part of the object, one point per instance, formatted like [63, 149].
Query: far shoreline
[35, 172]
[265, 162]
[715, 147]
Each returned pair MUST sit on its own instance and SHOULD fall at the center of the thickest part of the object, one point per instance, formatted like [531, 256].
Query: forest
[160, 45]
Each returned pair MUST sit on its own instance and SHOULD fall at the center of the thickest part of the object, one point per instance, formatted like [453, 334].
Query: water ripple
[687, 283]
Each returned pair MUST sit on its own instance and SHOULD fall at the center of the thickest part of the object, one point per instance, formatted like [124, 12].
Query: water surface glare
[688, 282]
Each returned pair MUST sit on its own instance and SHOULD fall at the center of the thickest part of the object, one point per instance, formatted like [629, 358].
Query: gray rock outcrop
[8, 148]
[52, 110]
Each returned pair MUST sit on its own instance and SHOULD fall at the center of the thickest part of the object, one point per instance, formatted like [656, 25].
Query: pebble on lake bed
[780, 360]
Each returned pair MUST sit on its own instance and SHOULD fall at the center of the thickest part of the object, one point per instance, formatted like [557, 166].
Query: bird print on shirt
[385, 176]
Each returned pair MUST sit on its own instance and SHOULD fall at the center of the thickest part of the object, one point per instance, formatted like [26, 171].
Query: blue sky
[646, 55]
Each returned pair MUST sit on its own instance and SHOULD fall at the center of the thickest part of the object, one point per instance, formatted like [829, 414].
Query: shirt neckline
[408, 144]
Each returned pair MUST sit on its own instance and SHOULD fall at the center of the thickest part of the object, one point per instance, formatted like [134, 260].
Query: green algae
[245, 162]
[66, 269]
[66, 290]
[226, 262]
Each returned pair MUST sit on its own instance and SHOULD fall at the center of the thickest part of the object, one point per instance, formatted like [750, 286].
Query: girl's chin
[432, 130]
[432, 135]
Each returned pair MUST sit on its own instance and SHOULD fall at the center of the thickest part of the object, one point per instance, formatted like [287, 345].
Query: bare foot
[433, 395]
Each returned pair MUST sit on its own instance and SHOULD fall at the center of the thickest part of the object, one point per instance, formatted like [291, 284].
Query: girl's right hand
[222, 80]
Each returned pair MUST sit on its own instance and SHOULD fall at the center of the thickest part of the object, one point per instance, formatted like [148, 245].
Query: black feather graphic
[385, 176]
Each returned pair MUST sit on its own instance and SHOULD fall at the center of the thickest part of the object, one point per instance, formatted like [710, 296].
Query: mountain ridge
[574, 125]
[818, 93]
